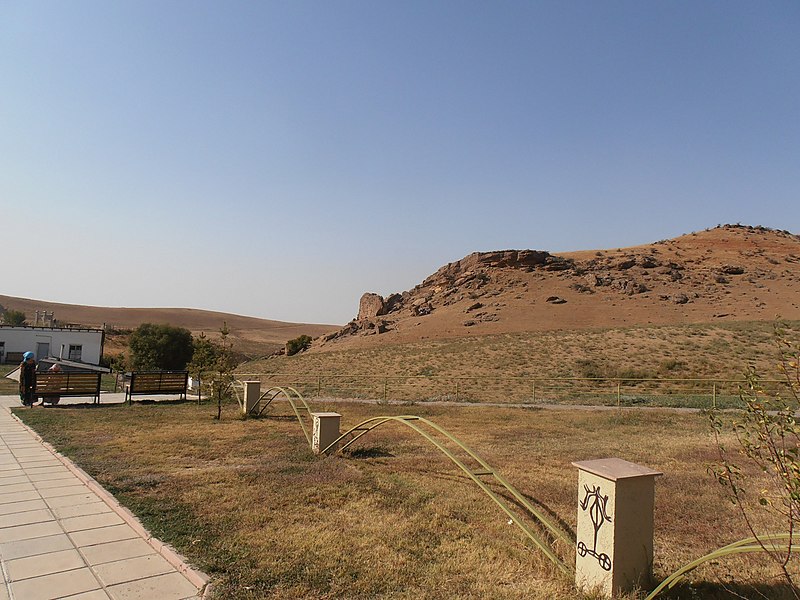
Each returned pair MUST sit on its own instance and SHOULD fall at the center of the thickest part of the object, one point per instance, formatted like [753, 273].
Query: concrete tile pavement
[63, 536]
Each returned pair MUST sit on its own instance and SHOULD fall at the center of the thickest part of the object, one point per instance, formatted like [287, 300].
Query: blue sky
[278, 159]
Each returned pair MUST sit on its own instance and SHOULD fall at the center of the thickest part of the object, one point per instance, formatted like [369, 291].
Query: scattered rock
[420, 310]
[393, 303]
[469, 323]
[582, 288]
[629, 286]
[680, 299]
[626, 264]
[732, 269]
[475, 306]
[555, 300]
[648, 262]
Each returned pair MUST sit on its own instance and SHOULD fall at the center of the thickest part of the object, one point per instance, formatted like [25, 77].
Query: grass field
[247, 502]
[501, 368]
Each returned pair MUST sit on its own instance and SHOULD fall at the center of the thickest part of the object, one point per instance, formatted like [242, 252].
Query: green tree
[223, 366]
[14, 318]
[205, 353]
[165, 347]
[298, 344]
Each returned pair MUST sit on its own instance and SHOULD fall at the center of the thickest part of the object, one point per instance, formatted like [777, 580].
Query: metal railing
[594, 391]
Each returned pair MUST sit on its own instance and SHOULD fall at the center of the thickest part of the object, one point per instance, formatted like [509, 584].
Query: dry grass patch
[428, 370]
[246, 502]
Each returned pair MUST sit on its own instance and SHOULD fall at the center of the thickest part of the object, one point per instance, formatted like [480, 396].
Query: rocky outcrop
[370, 306]
[672, 271]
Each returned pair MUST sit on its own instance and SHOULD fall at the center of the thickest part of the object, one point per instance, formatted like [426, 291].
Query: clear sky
[280, 158]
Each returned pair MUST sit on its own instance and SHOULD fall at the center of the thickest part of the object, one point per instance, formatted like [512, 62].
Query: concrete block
[615, 525]
[326, 430]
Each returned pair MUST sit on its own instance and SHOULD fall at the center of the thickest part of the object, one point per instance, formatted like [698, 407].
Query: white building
[75, 344]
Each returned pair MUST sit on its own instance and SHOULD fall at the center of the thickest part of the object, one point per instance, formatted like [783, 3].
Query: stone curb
[197, 578]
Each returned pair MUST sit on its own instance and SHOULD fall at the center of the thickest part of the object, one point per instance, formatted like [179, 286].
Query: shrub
[298, 344]
[768, 438]
[160, 347]
[14, 318]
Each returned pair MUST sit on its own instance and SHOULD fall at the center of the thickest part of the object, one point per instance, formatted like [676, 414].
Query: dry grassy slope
[249, 334]
[684, 280]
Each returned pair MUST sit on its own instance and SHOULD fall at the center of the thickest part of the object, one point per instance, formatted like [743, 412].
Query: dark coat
[27, 382]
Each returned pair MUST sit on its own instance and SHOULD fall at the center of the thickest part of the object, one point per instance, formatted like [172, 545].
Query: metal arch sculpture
[411, 421]
[274, 392]
[414, 423]
[744, 546]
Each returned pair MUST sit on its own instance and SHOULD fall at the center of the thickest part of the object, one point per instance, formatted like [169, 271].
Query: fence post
[619, 394]
[319, 385]
[714, 395]
[457, 390]
[385, 386]
[533, 390]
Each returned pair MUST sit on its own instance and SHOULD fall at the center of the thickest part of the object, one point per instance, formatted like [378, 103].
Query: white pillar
[615, 525]
[326, 430]
[252, 393]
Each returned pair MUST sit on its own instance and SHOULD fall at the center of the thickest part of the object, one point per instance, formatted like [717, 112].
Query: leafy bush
[767, 438]
[160, 347]
[298, 344]
[14, 317]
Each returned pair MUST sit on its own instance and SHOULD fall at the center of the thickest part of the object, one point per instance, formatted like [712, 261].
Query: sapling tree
[768, 440]
[223, 365]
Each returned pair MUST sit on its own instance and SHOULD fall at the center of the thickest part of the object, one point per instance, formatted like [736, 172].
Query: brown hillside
[729, 273]
[250, 335]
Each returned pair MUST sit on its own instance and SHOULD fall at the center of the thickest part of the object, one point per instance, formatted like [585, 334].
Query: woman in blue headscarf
[27, 379]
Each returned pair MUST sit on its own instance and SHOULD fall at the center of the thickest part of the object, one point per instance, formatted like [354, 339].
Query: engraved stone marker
[326, 430]
[615, 525]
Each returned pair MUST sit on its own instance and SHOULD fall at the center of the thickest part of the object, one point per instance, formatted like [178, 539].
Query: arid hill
[250, 335]
[729, 273]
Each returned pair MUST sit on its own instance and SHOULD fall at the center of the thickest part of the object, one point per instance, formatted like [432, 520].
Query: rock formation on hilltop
[731, 271]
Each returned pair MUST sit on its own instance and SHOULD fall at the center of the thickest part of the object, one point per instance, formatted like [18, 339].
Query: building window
[75, 352]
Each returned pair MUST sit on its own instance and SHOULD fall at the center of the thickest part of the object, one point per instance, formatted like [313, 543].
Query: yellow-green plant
[767, 438]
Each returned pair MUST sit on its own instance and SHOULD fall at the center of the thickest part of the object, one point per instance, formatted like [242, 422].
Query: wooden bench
[13, 358]
[55, 385]
[141, 383]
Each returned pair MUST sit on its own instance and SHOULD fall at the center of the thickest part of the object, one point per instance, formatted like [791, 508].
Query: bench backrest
[67, 383]
[13, 357]
[160, 381]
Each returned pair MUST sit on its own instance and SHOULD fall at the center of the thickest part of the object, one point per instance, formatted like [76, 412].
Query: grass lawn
[247, 502]
[500, 368]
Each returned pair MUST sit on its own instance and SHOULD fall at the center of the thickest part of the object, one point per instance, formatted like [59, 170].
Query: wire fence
[687, 393]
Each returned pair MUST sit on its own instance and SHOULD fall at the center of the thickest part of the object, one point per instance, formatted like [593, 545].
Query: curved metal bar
[558, 532]
[413, 422]
[746, 545]
[287, 392]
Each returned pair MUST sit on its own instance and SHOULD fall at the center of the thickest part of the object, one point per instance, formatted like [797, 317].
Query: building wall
[24, 339]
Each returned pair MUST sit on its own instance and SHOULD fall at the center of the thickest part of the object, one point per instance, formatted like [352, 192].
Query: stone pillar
[326, 430]
[252, 393]
[615, 525]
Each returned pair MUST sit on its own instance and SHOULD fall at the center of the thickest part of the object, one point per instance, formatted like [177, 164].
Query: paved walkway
[63, 536]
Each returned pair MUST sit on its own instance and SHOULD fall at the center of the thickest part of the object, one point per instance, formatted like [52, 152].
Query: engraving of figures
[596, 504]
